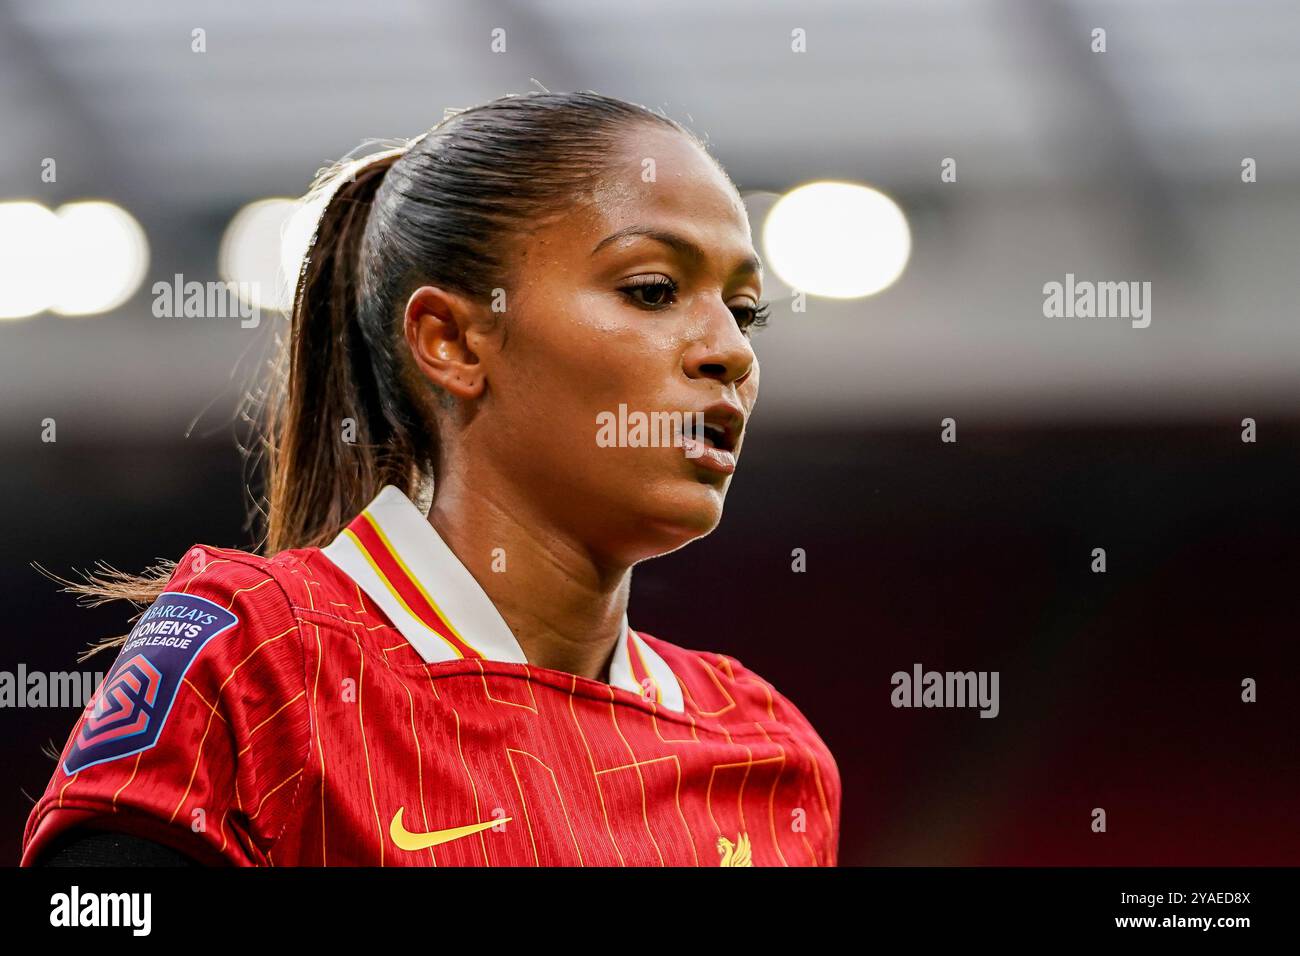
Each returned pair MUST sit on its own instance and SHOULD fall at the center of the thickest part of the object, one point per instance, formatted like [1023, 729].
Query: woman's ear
[436, 324]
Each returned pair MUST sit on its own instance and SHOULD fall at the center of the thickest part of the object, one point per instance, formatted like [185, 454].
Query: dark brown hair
[443, 210]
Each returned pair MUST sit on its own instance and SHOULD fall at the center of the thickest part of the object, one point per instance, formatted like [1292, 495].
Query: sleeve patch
[127, 713]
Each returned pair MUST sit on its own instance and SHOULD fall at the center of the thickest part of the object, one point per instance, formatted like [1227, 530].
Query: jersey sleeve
[198, 735]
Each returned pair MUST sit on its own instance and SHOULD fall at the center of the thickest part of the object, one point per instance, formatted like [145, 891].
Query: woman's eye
[654, 293]
[751, 316]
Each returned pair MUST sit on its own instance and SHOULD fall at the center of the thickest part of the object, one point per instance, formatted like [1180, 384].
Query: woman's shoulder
[222, 609]
[237, 606]
[230, 577]
[209, 687]
[283, 582]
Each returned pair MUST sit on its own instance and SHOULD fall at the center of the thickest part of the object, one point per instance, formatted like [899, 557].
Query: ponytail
[339, 429]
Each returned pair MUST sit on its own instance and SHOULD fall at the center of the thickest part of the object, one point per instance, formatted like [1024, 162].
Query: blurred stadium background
[1118, 691]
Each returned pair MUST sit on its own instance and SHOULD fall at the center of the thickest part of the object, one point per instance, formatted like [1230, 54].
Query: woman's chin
[679, 521]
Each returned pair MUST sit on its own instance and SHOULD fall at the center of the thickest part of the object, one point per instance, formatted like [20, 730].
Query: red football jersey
[366, 704]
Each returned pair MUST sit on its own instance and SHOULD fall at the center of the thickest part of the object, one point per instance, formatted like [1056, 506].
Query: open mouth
[723, 424]
[716, 436]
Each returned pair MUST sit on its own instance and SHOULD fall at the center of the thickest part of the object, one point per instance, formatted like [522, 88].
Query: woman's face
[633, 304]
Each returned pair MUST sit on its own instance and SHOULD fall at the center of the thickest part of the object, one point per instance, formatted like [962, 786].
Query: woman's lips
[718, 460]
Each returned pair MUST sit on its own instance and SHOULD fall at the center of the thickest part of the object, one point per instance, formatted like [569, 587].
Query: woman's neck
[563, 608]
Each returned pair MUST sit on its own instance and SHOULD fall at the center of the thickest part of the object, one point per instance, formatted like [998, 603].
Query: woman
[462, 687]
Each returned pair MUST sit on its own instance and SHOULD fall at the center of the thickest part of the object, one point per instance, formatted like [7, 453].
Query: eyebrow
[679, 244]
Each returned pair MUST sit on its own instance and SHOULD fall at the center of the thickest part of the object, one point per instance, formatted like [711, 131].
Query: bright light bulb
[838, 240]
[28, 236]
[102, 254]
[251, 252]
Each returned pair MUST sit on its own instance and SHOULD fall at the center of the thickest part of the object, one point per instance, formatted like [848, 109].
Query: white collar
[398, 558]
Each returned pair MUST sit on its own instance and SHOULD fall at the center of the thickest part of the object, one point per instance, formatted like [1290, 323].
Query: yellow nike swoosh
[406, 840]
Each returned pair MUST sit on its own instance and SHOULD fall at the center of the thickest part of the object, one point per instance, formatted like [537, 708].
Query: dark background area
[1118, 690]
